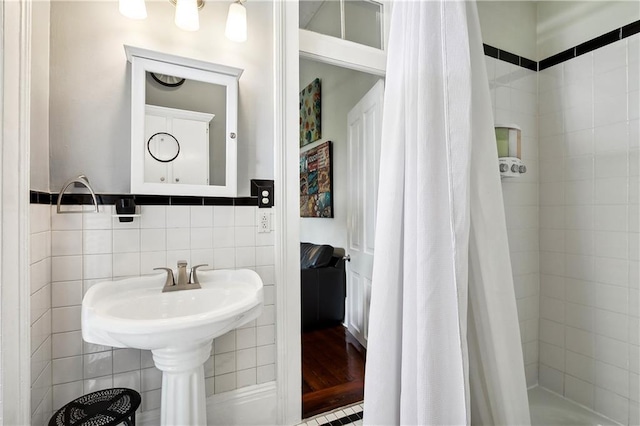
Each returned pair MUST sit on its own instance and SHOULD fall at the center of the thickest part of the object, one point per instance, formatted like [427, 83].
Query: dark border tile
[245, 201]
[490, 51]
[33, 197]
[528, 64]
[218, 201]
[152, 200]
[503, 55]
[556, 59]
[77, 199]
[631, 29]
[598, 42]
[183, 200]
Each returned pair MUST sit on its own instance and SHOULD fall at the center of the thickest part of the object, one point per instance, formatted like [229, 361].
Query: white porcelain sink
[134, 313]
[178, 327]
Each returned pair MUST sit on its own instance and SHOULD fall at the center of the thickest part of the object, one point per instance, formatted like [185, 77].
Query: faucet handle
[194, 275]
[169, 281]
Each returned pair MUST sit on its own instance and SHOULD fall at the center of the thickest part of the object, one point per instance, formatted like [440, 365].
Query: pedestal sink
[178, 327]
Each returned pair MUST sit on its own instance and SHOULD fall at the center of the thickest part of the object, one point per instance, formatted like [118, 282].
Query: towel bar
[82, 179]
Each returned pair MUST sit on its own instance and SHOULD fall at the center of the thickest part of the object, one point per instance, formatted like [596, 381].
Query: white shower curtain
[444, 343]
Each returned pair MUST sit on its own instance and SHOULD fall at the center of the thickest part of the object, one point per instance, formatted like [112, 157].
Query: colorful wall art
[310, 113]
[315, 182]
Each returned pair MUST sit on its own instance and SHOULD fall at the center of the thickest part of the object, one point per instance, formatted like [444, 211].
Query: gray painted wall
[90, 85]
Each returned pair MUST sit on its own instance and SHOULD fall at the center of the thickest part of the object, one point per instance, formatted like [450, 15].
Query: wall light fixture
[186, 17]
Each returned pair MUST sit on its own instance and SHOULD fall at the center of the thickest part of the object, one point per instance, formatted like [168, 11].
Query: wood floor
[332, 370]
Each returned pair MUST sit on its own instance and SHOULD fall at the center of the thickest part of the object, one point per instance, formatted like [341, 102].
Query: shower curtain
[444, 343]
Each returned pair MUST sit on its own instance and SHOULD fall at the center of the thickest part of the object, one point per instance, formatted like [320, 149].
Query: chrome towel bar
[82, 179]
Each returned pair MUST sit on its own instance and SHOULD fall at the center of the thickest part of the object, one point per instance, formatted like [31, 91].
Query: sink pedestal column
[183, 394]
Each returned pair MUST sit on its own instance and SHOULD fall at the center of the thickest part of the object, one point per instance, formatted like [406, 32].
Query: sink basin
[178, 327]
[134, 313]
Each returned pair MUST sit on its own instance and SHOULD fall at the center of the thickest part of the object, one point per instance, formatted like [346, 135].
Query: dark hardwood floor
[332, 370]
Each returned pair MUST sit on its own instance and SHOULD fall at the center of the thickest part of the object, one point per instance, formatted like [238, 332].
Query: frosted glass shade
[236, 29]
[133, 9]
[187, 15]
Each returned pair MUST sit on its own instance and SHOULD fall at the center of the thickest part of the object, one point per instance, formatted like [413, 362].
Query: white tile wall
[588, 199]
[42, 242]
[514, 96]
[90, 248]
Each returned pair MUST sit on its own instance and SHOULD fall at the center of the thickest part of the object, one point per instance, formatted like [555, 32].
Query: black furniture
[323, 287]
[107, 407]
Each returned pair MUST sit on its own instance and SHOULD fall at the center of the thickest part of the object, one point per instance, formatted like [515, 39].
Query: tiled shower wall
[589, 229]
[514, 99]
[40, 270]
[88, 248]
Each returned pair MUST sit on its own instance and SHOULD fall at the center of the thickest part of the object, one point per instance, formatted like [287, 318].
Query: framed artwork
[310, 113]
[315, 182]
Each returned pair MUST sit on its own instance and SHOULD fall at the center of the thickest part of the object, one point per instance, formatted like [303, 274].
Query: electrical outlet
[264, 224]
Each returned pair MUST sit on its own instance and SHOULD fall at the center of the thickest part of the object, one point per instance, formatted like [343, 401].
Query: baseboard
[251, 405]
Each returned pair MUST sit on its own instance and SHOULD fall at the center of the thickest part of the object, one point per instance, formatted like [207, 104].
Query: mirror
[183, 125]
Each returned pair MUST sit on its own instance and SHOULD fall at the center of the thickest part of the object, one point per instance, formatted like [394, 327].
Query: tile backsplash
[88, 248]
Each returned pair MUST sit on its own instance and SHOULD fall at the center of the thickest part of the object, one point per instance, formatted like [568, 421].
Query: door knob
[347, 257]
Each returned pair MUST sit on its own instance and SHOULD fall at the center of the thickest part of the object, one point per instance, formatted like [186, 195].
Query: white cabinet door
[191, 131]
[364, 126]
[192, 165]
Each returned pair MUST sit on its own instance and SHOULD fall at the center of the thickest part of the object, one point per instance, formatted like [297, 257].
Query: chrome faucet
[184, 282]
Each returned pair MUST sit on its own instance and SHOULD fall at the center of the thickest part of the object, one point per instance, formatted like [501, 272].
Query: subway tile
[201, 238]
[223, 216]
[98, 383]
[246, 338]
[612, 137]
[581, 366]
[612, 405]
[66, 370]
[153, 240]
[126, 240]
[97, 241]
[552, 332]
[97, 266]
[224, 363]
[245, 216]
[266, 373]
[202, 257]
[65, 319]
[66, 392]
[579, 143]
[151, 260]
[66, 222]
[225, 382]
[153, 217]
[552, 356]
[100, 220]
[151, 400]
[224, 258]
[580, 291]
[611, 244]
[611, 351]
[611, 324]
[178, 216]
[66, 293]
[98, 364]
[551, 379]
[580, 341]
[245, 236]
[610, 218]
[178, 238]
[611, 271]
[66, 243]
[126, 360]
[201, 216]
[66, 344]
[579, 391]
[174, 256]
[245, 257]
[40, 303]
[610, 110]
[580, 316]
[151, 378]
[66, 268]
[224, 237]
[609, 57]
[246, 377]
[552, 286]
[225, 343]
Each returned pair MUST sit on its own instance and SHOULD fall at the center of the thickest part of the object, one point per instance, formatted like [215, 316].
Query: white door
[364, 127]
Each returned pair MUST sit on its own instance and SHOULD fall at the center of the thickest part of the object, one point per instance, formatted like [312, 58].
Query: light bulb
[236, 29]
[187, 15]
[133, 9]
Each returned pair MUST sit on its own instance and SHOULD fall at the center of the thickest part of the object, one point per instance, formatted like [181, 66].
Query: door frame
[15, 91]
[287, 53]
